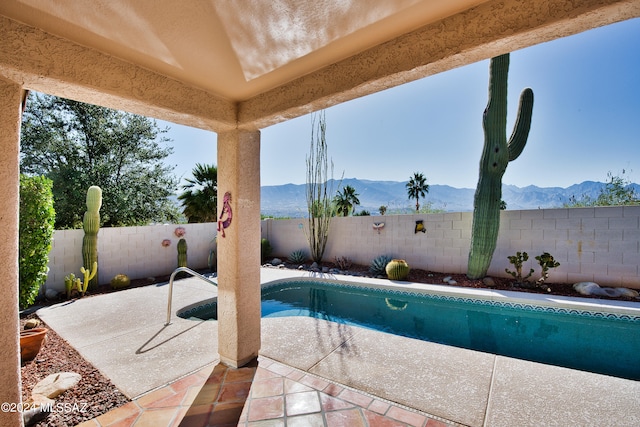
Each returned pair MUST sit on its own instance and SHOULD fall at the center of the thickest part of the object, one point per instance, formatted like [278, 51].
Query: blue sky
[586, 122]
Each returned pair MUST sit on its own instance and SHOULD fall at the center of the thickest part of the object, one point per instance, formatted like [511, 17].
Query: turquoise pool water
[595, 342]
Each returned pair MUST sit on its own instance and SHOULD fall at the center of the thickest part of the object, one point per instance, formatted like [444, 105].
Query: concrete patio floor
[124, 336]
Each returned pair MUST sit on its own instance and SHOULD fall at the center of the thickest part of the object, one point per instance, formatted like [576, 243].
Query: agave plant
[378, 265]
[298, 257]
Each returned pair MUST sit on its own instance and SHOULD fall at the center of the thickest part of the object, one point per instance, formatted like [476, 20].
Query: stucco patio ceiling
[254, 63]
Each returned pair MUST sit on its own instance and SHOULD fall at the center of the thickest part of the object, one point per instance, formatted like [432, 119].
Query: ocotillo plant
[91, 226]
[496, 155]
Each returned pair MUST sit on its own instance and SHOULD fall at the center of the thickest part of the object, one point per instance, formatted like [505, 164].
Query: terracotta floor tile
[280, 369]
[333, 389]
[226, 413]
[188, 381]
[189, 395]
[379, 406]
[173, 400]
[124, 411]
[311, 420]
[346, 418]
[315, 382]
[268, 387]
[195, 416]
[267, 423]
[266, 408]
[355, 398]
[435, 423]
[234, 392]
[330, 403]
[295, 375]
[378, 420]
[406, 416]
[149, 399]
[240, 374]
[125, 422]
[157, 417]
[207, 394]
[302, 403]
[217, 374]
[263, 374]
[291, 386]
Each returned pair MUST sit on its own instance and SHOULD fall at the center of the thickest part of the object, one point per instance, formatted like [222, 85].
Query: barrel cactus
[91, 226]
[120, 281]
[182, 253]
[496, 155]
[397, 269]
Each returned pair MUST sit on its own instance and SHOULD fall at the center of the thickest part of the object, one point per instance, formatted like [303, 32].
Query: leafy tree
[77, 145]
[417, 187]
[617, 191]
[346, 200]
[200, 201]
[382, 209]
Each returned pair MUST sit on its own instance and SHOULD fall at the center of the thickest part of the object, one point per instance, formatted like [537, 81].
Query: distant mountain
[290, 199]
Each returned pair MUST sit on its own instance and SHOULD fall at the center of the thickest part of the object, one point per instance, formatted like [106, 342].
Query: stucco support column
[239, 249]
[10, 97]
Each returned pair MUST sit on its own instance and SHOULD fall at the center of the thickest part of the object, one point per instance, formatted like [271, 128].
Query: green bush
[37, 218]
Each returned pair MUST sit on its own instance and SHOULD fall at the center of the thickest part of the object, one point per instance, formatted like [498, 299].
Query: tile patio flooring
[265, 393]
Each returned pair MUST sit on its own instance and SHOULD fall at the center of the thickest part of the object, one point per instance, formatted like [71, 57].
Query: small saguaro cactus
[182, 253]
[496, 155]
[91, 226]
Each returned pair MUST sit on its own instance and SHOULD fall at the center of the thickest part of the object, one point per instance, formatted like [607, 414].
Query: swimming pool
[606, 343]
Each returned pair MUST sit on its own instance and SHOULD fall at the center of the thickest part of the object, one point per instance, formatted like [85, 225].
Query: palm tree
[417, 187]
[200, 201]
[346, 200]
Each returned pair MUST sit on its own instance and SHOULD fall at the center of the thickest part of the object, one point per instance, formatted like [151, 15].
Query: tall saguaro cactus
[496, 155]
[91, 226]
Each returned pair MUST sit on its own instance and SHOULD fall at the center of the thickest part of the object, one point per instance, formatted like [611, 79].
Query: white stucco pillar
[10, 97]
[239, 249]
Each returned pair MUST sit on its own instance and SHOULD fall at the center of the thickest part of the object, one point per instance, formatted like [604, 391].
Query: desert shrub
[343, 262]
[37, 218]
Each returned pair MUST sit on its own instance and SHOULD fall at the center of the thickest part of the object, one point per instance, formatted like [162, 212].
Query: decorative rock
[446, 279]
[56, 384]
[276, 261]
[489, 282]
[591, 288]
[314, 265]
[51, 294]
[325, 269]
[452, 282]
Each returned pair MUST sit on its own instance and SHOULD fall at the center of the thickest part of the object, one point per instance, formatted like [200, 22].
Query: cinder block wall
[592, 244]
[134, 251]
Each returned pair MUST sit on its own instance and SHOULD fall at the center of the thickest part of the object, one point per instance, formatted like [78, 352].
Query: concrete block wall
[134, 251]
[592, 244]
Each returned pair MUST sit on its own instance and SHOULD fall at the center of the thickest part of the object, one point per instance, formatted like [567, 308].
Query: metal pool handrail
[173, 275]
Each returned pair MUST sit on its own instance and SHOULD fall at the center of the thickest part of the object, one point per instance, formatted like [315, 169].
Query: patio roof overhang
[251, 64]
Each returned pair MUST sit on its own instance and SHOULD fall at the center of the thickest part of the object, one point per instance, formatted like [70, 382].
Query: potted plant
[30, 342]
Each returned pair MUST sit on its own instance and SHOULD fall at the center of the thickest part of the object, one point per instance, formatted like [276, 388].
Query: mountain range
[289, 200]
